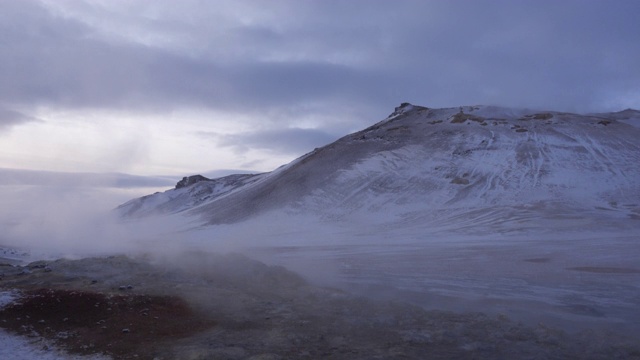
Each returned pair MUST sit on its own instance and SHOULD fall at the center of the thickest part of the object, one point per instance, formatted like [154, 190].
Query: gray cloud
[9, 118]
[68, 64]
[286, 141]
[15, 177]
[237, 56]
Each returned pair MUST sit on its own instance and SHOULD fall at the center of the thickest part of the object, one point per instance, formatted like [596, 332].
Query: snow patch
[7, 297]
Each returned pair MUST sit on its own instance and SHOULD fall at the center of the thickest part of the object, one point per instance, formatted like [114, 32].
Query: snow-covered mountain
[466, 165]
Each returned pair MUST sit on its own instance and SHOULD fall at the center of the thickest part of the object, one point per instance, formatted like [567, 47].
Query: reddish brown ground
[90, 322]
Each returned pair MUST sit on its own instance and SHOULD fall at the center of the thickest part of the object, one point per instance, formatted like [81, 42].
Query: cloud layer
[10, 118]
[329, 67]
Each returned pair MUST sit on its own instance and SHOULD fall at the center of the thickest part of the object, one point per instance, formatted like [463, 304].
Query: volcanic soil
[209, 306]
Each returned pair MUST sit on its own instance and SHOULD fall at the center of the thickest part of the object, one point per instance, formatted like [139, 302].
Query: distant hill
[464, 166]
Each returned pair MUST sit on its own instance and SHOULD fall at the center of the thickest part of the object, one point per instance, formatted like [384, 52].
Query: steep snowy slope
[481, 164]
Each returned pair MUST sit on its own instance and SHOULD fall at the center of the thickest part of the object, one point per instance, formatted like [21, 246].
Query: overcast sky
[165, 87]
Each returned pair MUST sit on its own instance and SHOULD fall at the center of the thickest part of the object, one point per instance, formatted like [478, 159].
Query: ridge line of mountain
[426, 161]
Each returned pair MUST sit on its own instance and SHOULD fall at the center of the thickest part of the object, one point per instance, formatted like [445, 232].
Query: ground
[231, 307]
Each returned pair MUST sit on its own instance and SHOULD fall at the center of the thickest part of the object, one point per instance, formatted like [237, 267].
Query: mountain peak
[403, 108]
[404, 105]
[424, 163]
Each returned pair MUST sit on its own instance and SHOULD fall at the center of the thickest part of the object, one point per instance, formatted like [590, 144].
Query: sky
[175, 88]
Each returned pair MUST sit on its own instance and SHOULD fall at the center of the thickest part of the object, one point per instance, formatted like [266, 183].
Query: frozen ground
[587, 282]
[578, 273]
[20, 348]
[579, 278]
[28, 348]
[207, 306]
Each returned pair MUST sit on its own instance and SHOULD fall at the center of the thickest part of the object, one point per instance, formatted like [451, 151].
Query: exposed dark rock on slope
[190, 180]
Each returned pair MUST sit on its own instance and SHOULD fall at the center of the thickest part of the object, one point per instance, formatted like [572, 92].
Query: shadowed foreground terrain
[206, 306]
[88, 321]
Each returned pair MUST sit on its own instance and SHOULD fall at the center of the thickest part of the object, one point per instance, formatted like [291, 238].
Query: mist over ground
[67, 215]
[563, 280]
[435, 267]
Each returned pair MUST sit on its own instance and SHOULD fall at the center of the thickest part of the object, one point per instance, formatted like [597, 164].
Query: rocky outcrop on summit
[190, 180]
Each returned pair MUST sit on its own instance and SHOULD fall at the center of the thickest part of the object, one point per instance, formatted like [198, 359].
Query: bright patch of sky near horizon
[177, 88]
[112, 142]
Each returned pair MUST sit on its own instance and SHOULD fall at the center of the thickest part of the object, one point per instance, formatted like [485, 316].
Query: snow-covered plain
[574, 276]
[587, 280]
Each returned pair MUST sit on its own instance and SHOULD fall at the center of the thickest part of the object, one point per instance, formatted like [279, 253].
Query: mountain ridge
[424, 163]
